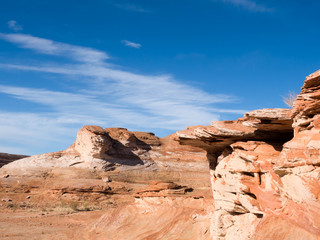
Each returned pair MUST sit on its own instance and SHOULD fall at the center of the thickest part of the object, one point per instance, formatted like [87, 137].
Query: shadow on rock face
[130, 148]
[115, 145]
[127, 155]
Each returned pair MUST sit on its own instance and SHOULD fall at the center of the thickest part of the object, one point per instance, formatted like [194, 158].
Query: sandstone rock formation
[242, 154]
[254, 178]
[265, 170]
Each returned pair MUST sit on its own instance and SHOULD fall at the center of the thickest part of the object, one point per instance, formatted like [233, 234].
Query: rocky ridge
[6, 158]
[254, 178]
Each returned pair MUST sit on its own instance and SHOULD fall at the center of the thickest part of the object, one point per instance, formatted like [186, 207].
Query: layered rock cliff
[254, 178]
[265, 170]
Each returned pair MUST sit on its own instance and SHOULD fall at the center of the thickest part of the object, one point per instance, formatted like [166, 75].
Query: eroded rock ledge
[242, 155]
[265, 170]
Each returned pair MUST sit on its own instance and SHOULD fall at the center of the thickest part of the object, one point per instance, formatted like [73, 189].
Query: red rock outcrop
[265, 170]
[242, 154]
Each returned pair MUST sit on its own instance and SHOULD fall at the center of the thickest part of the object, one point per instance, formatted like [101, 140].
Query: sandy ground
[46, 225]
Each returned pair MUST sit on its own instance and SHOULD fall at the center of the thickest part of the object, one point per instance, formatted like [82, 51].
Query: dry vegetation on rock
[290, 99]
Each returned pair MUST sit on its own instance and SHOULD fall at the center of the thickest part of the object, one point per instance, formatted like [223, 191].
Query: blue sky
[147, 65]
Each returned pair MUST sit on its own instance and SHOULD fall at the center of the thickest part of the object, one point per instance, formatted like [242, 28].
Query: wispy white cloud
[15, 150]
[33, 133]
[74, 108]
[106, 95]
[12, 24]
[249, 5]
[151, 99]
[150, 88]
[131, 44]
[46, 46]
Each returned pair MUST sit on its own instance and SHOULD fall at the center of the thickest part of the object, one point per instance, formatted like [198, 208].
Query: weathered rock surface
[157, 218]
[263, 171]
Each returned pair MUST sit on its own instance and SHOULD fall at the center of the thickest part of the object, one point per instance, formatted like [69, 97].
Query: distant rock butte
[263, 171]
[6, 158]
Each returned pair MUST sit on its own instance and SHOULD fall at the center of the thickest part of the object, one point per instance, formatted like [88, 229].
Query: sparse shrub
[13, 206]
[74, 205]
[86, 206]
[290, 98]
[67, 206]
